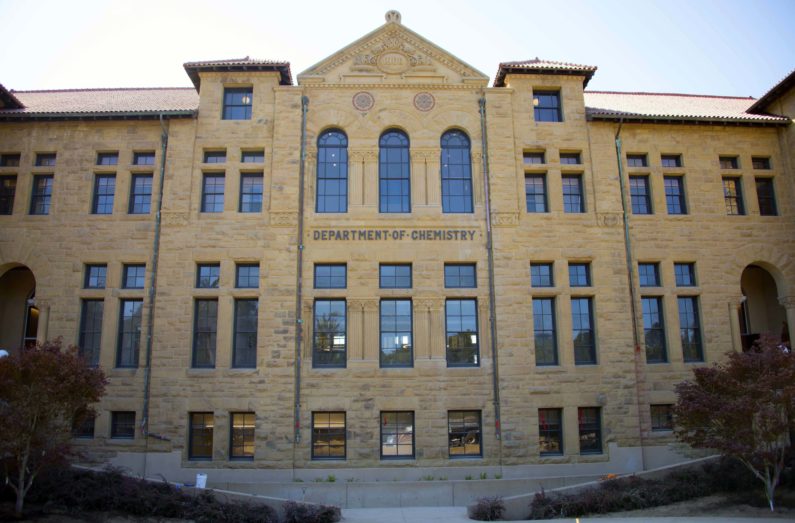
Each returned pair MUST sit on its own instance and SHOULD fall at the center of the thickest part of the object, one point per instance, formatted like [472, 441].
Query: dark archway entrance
[760, 311]
[19, 316]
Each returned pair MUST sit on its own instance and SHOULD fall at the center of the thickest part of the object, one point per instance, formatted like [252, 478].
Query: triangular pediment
[392, 54]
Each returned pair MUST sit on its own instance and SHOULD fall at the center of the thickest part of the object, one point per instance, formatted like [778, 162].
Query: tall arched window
[332, 172]
[456, 172]
[394, 184]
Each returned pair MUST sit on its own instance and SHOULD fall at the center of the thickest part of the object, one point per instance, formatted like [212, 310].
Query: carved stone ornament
[424, 101]
[284, 219]
[363, 101]
[392, 56]
[505, 219]
[609, 219]
[175, 219]
[788, 302]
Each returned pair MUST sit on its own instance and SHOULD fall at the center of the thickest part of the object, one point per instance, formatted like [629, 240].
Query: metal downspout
[492, 293]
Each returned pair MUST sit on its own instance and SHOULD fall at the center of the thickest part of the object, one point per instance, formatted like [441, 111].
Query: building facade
[393, 267]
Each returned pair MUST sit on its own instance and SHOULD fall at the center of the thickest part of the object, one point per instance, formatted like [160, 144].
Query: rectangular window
[766, 197]
[200, 439]
[729, 162]
[241, 436]
[134, 276]
[570, 159]
[130, 312]
[107, 158]
[122, 425]
[397, 435]
[331, 276]
[394, 276]
[671, 160]
[104, 190]
[572, 193]
[649, 274]
[546, 106]
[590, 422]
[95, 276]
[534, 158]
[760, 162]
[205, 325]
[662, 417]
[463, 434]
[733, 196]
[639, 194]
[252, 156]
[9, 160]
[251, 192]
[654, 330]
[8, 189]
[637, 160]
[550, 432]
[541, 275]
[685, 274]
[213, 192]
[328, 435]
[45, 159]
[459, 276]
[544, 331]
[535, 188]
[208, 275]
[461, 326]
[237, 103]
[579, 274]
[675, 194]
[140, 194]
[690, 329]
[84, 429]
[329, 334]
[41, 195]
[215, 156]
[396, 333]
[247, 276]
[244, 351]
[144, 158]
[90, 339]
[583, 331]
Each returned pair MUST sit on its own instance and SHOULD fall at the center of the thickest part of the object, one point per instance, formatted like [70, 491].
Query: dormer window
[546, 106]
[237, 103]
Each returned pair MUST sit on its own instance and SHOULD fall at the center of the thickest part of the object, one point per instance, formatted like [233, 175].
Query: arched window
[332, 172]
[394, 185]
[456, 172]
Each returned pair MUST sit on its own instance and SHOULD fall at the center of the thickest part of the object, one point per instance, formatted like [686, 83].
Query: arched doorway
[760, 311]
[19, 316]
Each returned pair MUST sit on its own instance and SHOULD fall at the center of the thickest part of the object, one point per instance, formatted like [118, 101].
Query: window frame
[199, 276]
[667, 425]
[193, 427]
[592, 356]
[244, 359]
[569, 205]
[637, 160]
[318, 280]
[107, 159]
[329, 435]
[553, 111]
[87, 275]
[129, 361]
[767, 201]
[91, 330]
[246, 267]
[117, 424]
[245, 429]
[675, 159]
[545, 324]
[648, 270]
[396, 277]
[459, 278]
[10, 159]
[679, 274]
[8, 192]
[212, 334]
[145, 194]
[537, 279]
[476, 352]
[397, 434]
[728, 162]
[246, 156]
[213, 202]
[456, 175]
[550, 432]
[690, 328]
[127, 268]
[648, 317]
[596, 428]
[539, 191]
[228, 105]
[574, 279]
[382, 332]
[214, 156]
[534, 158]
[104, 193]
[386, 180]
[761, 163]
[733, 195]
[340, 172]
[640, 194]
[675, 202]
[465, 431]
[41, 196]
[333, 354]
[250, 193]
[568, 156]
[46, 159]
[143, 155]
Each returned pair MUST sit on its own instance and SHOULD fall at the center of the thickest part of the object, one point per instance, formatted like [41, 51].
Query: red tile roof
[538, 66]
[239, 64]
[8, 100]
[777, 90]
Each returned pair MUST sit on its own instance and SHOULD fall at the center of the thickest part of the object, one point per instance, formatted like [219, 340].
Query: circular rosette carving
[363, 101]
[424, 101]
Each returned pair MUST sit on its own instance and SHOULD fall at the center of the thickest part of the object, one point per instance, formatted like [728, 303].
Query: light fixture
[246, 99]
[535, 101]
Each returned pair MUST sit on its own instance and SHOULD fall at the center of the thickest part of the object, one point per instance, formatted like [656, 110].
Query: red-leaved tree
[743, 408]
[44, 391]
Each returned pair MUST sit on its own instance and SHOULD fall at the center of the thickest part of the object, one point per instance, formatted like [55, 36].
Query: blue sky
[728, 47]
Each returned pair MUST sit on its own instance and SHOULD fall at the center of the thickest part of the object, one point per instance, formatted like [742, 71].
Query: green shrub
[306, 513]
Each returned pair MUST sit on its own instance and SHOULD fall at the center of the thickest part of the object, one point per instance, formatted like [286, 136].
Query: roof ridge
[686, 95]
[538, 60]
[90, 89]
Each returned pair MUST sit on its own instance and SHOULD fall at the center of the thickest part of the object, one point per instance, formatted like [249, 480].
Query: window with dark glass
[397, 435]
[208, 275]
[104, 190]
[639, 194]
[141, 194]
[237, 103]
[41, 195]
[649, 274]
[685, 274]
[213, 192]
[241, 431]
[544, 331]
[107, 158]
[572, 193]
[251, 192]
[690, 329]
[582, 331]
[244, 349]
[654, 329]
[766, 197]
[252, 156]
[95, 276]
[546, 106]
[8, 189]
[328, 435]
[134, 276]
[733, 196]
[215, 156]
[729, 162]
[760, 162]
[675, 194]
[129, 341]
[9, 160]
[394, 276]
[579, 274]
[247, 276]
[90, 337]
[329, 337]
[662, 417]
[205, 326]
[464, 434]
[637, 160]
[122, 425]
[84, 429]
[459, 276]
[590, 425]
[570, 159]
[541, 275]
[331, 276]
[200, 439]
[550, 432]
[144, 158]
[394, 180]
[456, 172]
[45, 160]
[332, 172]
[671, 160]
[535, 188]
[461, 324]
[534, 158]
[396, 333]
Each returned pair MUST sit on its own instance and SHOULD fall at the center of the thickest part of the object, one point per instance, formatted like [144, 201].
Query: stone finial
[392, 16]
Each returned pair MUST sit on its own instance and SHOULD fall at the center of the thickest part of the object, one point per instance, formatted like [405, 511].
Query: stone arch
[19, 315]
[780, 266]
[760, 310]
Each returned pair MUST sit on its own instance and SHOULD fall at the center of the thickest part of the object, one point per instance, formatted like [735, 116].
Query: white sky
[722, 47]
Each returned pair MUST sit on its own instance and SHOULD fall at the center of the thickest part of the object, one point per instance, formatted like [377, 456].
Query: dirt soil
[717, 505]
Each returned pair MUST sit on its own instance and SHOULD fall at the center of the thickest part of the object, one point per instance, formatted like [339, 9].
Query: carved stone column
[433, 179]
[418, 178]
[356, 178]
[477, 178]
[372, 329]
[310, 179]
[734, 322]
[370, 185]
[44, 319]
[429, 334]
[788, 302]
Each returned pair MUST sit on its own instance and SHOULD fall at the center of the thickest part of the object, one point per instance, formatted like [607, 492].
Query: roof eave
[285, 77]
[131, 115]
[640, 118]
[9, 100]
[775, 92]
[503, 71]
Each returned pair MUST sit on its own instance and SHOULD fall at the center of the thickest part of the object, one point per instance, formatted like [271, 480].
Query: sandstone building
[394, 266]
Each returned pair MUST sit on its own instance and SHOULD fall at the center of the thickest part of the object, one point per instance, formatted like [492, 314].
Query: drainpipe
[492, 294]
[299, 322]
